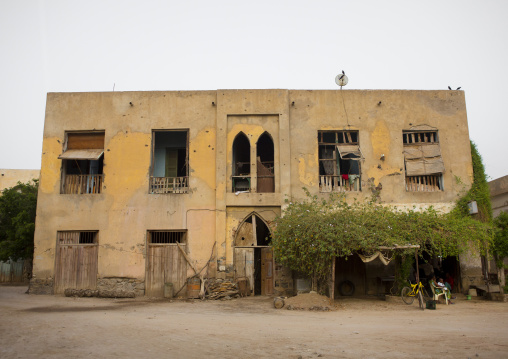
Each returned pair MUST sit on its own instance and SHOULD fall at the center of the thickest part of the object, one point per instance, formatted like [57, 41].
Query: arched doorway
[253, 254]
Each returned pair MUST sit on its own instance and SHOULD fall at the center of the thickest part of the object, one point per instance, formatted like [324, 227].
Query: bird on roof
[449, 88]
[458, 88]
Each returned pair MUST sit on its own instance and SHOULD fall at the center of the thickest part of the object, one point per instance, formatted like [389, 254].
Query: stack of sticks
[221, 288]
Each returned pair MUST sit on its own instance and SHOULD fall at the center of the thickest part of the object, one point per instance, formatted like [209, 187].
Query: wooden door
[171, 167]
[266, 271]
[75, 263]
[266, 179]
[166, 264]
[244, 265]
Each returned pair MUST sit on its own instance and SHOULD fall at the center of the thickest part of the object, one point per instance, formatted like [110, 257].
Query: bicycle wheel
[421, 302]
[426, 295]
[406, 297]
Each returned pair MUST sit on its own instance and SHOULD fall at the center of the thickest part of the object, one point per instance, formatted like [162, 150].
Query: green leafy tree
[479, 191]
[311, 233]
[17, 221]
[500, 245]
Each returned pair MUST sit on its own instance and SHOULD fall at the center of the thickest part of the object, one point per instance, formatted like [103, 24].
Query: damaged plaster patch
[445, 106]
[305, 175]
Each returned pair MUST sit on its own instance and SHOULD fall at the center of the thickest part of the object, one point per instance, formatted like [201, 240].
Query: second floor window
[253, 173]
[170, 164]
[339, 161]
[422, 160]
[82, 163]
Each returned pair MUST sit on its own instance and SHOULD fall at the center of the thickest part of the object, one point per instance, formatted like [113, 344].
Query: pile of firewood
[220, 289]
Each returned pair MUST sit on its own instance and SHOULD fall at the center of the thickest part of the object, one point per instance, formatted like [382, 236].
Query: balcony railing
[161, 185]
[428, 183]
[338, 183]
[82, 184]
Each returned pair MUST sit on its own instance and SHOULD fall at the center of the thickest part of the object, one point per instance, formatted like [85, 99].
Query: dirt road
[59, 327]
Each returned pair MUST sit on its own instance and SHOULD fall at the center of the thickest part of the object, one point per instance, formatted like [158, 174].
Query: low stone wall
[108, 287]
[121, 285]
[498, 297]
[41, 286]
[283, 281]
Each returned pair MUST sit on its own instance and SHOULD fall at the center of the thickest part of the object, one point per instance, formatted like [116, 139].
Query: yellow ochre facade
[144, 176]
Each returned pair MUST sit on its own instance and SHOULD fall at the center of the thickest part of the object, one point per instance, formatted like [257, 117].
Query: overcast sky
[76, 46]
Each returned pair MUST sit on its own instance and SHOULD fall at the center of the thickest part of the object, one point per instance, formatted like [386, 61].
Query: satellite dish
[341, 80]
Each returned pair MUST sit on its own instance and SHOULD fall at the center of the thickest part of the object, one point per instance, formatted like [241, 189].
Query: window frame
[169, 185]
[87, 151]
[429, 182]
[167, 235]
[339, 182]
[79, 242]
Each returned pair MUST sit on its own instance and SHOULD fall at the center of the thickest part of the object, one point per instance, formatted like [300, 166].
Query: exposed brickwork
[121, 285]
[41, 286]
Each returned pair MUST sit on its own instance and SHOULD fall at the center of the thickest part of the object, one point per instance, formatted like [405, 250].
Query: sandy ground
[58, 327]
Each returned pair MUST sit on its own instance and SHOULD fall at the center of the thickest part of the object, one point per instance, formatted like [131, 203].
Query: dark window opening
[87, 237]
[82, 163]
[77, 237]
[84, 167]
[241, 163]
[167, 237]
[334, 137]
[409, 137]
[170, 164]
[265, 164]
[339, 161]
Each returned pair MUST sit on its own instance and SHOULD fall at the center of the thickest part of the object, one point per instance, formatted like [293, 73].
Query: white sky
[142, 45]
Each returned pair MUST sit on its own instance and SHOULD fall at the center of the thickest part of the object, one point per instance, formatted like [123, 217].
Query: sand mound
[308, 301]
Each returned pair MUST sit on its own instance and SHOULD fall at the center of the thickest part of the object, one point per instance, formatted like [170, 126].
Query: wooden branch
[187, 258]
[400, 247]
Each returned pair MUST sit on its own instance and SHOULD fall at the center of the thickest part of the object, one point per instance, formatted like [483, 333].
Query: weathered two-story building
[139, 189]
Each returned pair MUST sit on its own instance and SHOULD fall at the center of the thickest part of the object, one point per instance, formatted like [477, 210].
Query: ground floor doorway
[166, 264]
[253, 256]
[76, 260]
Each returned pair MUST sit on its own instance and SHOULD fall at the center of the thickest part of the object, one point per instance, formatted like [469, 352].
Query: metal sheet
[424, 166]
[422, 151]
[88, 154]
[345, 150]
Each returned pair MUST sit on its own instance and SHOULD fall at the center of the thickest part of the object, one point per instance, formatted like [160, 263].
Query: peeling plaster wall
[9, 178]
[380, 117]
[125, 211]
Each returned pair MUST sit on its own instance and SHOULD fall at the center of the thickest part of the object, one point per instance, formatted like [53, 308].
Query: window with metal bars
[422, 161]
[77, 237]
[409, 137]
[167, 237]
[87, 237]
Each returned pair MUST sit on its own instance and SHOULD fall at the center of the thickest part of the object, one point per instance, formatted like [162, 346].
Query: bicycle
[408, 294]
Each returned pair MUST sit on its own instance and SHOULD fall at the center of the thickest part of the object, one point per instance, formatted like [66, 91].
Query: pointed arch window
[265, 164]
[253, 232]
[241, 163]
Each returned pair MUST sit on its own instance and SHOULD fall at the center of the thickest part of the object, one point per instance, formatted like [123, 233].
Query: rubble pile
[70, 292]
[221, 289]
